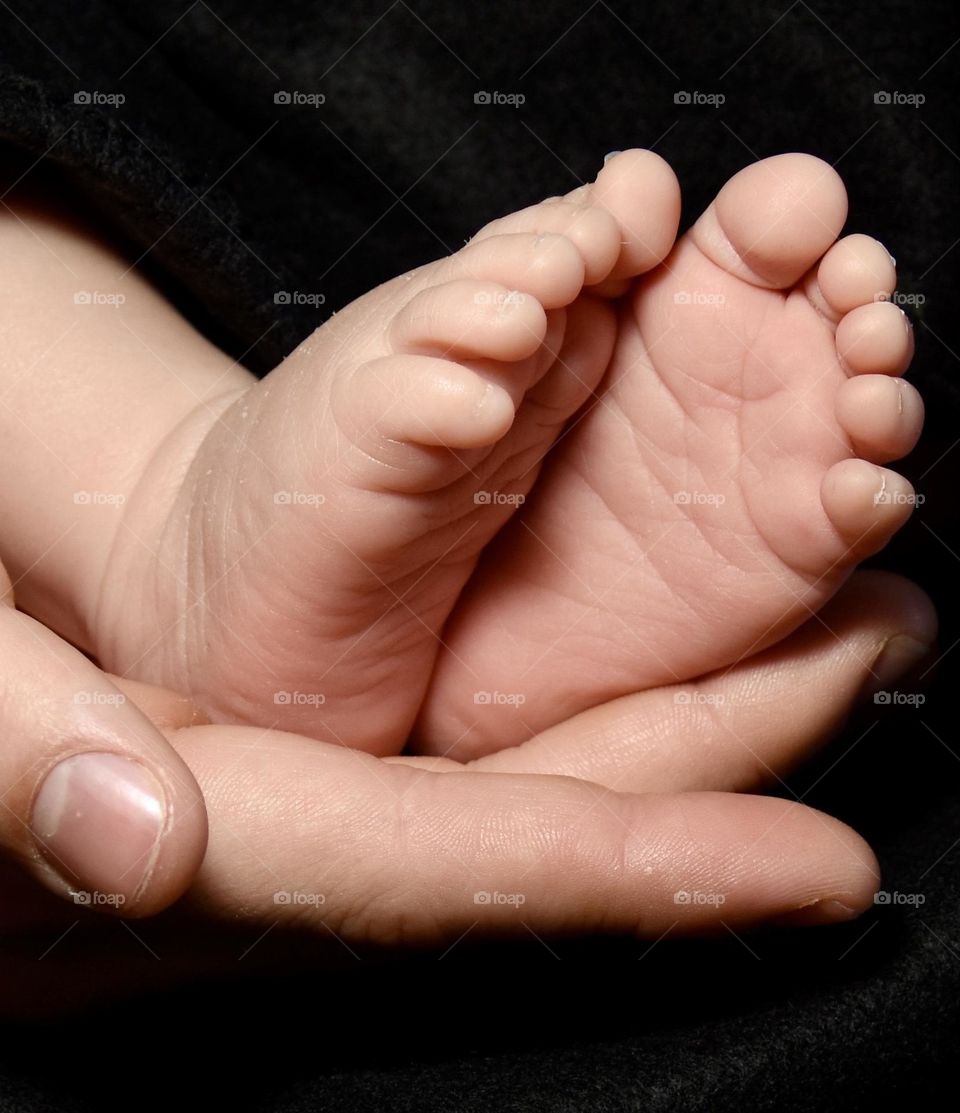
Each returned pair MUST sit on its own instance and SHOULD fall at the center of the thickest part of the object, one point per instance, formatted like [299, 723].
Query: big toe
[773, 220]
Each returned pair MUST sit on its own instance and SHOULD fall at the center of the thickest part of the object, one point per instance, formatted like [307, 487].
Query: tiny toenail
[899, 657]
[609, 155]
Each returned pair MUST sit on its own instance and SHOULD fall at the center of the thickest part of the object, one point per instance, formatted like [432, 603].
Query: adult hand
[406, 849]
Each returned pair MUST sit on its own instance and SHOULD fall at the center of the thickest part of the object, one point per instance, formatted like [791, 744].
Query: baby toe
[392, 408]
[546, 265]
[875, 339]
[882, 416]
[774, 219]
[866, 505]
[640, 190]
[592, 230]
[470, 319]
[858, 270]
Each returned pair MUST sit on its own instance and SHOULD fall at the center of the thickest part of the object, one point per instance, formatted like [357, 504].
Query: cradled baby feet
[720, 486]
[325, 523]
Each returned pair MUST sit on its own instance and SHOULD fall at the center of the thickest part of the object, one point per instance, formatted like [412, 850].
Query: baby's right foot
[313, 539]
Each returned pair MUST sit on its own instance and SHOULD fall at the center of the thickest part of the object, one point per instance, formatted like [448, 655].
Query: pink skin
[398, 847]
[291, 552]
[711, 498]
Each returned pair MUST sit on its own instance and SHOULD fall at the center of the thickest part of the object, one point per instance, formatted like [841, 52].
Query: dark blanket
[232, 197]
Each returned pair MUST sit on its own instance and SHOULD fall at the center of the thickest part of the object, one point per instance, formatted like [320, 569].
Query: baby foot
[327, 520]
[721, 488]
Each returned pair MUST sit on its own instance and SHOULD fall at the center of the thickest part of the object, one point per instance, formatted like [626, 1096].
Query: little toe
[882, 416]
[592, 230]
[641, 191]
[546, 265]
[857, 270]
[470, 319]
[875, 340]
[771, 222]
[866, 505]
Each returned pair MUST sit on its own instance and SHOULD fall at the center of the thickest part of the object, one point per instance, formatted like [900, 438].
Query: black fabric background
[236, 198]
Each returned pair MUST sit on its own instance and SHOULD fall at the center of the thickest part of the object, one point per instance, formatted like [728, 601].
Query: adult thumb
[94, 801]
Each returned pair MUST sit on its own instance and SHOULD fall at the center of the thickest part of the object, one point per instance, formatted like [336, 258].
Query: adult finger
[93, 800]
[309, 834]
[746, 726]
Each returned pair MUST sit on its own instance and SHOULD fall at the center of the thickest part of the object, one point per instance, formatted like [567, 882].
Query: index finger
[310, 834]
